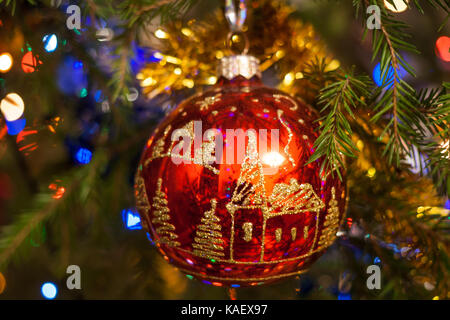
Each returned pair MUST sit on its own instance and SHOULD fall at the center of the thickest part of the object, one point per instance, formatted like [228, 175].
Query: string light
[131, 219]
[12, 107]
[30, 62]
[15, 127]
[83, 156]
[2, 283]
[133, 95]
[59, 190]
[6, 62]
[445, 148]
[389, 78]
[50, 42]
[49, 290]
[104, 34]
[399, 5]
[160, 34]
[443, 48]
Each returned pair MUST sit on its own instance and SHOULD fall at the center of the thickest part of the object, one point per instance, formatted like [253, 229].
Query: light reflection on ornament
[443, 48]
[6, 62]
[12, 107]
[50, 42]
[273, 159]
[150, 239]
[400, 5]
[189, 261]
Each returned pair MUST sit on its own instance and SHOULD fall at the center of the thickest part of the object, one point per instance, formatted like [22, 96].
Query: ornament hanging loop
[236, 18]
[235, 40]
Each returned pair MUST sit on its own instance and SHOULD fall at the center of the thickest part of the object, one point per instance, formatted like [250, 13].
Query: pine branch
[337, 100]
[436, 149]
[13, 4]
[135, 16]
[78, 184]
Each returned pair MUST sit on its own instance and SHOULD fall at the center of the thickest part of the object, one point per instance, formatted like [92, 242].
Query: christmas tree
[83, 84]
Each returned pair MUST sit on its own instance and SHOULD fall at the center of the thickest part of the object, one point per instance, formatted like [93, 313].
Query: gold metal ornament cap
[239, 65]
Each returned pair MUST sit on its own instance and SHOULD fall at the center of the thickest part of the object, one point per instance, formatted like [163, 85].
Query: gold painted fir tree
[208, 236]
[165, 230]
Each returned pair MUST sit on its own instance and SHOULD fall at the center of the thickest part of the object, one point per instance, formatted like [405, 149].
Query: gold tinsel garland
[189, 51]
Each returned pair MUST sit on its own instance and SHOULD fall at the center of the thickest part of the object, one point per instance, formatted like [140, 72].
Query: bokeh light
[6, 62]
[59, 190]
[12, 106]
[30, 62]
[400, 5]
[2, 283]
[49, 290]
[83, 156]
[389, 79]
[50, 42]
[131, 219]
[71, 77]
[443, 48]
[15, 127]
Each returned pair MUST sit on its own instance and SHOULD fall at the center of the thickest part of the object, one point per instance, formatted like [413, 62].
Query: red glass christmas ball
[226, 209]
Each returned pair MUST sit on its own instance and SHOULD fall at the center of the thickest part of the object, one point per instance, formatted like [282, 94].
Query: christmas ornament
[224, 187]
